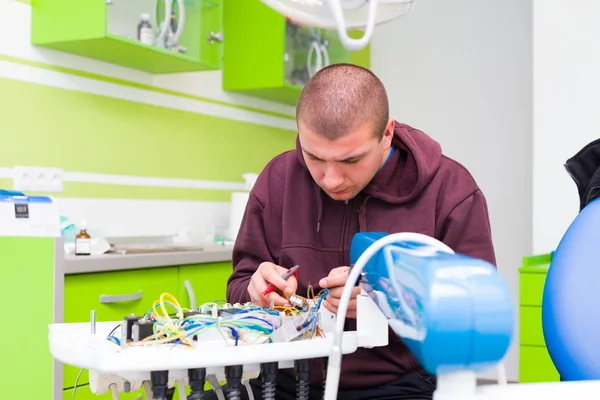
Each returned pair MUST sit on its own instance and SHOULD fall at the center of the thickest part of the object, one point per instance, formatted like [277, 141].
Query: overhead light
[343, 15]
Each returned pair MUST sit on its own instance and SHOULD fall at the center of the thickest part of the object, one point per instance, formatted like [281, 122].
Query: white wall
[461, 71]
[567, 95]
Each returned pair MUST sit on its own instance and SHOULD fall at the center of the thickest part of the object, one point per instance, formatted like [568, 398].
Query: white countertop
[116, 262]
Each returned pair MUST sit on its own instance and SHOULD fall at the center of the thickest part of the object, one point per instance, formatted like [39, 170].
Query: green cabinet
[203, 283]
[113, 295]
[107, 30]
[267, 56]
[27, 276]
[535, 364]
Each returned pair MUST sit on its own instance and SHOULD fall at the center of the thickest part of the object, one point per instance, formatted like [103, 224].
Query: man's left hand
[335, 282]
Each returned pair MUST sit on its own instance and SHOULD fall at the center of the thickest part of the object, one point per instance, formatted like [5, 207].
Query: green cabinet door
[266, 56]
[203, 282]
[113, 295]
[27, 276]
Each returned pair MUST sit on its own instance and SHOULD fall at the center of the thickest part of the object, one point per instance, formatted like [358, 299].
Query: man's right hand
[266, 274]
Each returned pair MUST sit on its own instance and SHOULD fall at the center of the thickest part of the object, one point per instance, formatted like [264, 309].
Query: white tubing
[335, 357]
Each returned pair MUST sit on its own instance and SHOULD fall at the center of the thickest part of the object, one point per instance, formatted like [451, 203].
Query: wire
[335, 357]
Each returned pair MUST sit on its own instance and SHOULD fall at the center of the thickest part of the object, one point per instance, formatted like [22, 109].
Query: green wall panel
[76, 131]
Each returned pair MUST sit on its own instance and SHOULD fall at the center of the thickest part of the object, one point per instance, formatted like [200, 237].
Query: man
[354, 169]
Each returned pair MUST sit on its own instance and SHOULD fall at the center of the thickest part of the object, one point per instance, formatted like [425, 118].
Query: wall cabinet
[107, 30]
[267, 56]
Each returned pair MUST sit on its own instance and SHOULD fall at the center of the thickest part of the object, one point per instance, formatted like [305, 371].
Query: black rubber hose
[233, 375]
[160, 380]
[268, 374]
[197, 378]
[302, 369]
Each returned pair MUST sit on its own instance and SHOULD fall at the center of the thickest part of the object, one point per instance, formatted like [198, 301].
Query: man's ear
[389, 131]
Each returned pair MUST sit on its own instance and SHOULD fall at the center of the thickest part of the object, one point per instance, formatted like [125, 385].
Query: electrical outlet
[37, 179]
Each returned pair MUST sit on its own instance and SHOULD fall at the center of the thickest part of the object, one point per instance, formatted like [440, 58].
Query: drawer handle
[191, 294]
[121, 298]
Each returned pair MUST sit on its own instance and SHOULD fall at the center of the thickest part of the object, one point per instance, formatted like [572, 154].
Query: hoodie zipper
[344, 232]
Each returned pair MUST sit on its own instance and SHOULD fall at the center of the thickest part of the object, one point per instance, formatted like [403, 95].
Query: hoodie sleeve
[249, 251]
[467, 229]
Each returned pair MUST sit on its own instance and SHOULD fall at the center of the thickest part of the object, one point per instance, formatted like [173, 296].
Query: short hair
[341, 97]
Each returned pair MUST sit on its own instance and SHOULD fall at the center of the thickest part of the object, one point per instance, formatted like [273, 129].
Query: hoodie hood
[403, 177]
[407, 172]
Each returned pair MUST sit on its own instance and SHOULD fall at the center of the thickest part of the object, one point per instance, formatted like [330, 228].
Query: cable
[335, 358]
[160, 380]
[249, 391]
[233, 376]
[181, 389]
[501, 377]
[196, 377]
[268, 375]
[114, 391]
[302, 369]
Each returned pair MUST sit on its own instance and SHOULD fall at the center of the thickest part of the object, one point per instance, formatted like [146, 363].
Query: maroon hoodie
[289, 220]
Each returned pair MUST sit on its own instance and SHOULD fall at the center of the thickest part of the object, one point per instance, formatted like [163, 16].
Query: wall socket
[37, 179]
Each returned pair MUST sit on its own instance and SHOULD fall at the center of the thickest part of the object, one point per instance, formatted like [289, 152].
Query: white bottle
[145, 31]
[83, 242]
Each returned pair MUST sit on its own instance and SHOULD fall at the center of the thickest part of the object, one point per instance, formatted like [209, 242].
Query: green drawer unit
[107, 31]
[207, 282]
[266, 56]
[113, 295]
[535, 364]
[27, 276]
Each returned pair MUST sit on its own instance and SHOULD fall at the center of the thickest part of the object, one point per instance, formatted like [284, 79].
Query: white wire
[316, 51]
[249, 390]
[162, 31]
[325, 55]
[501, 374]
[114, 391]
[147, 386]
[180, 21]
[181, 390]
[335, 357]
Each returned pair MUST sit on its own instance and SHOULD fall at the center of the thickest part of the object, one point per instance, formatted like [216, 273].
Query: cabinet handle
[191, 294]
[121, 298]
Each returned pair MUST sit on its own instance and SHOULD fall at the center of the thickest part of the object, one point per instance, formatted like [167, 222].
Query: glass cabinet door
[309, 49]
[191, 28]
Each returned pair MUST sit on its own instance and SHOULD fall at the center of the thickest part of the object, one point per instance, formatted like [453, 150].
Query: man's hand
[266, 274]
[335, 282]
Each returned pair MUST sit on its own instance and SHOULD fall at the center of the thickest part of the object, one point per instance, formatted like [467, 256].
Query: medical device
[343, 15]
[453, 312]
[172, 24]
[22, 215]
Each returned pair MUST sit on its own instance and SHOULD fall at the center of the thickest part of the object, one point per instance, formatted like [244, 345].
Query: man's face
[344, 166]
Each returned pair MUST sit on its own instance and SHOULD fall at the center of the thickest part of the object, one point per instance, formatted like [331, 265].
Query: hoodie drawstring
[319, 207]
[362, 215]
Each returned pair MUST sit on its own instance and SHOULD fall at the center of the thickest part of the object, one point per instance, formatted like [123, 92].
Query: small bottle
[83, 242]
[145, 31]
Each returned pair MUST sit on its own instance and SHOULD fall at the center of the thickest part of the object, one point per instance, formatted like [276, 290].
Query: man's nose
[333, 179]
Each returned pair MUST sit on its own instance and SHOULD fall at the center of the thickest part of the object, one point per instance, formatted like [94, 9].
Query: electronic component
[142, 329]
[290, 330]
[127, 328]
